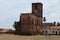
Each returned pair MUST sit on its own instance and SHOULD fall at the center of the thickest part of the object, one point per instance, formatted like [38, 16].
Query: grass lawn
[36, 37]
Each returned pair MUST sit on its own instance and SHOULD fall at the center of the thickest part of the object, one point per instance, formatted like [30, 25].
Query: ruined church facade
[30, 23]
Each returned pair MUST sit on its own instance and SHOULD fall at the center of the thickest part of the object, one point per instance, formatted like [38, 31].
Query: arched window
[56, 32]
[52, 31]
[45, 31]
[42, 32]
[35, 6]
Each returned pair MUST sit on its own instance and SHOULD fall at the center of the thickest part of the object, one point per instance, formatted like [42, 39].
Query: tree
[58, 24]
[15, 24]
[44, 19]
[54, 23]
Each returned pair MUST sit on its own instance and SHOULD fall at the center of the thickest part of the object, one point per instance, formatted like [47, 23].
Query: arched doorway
[37, 29]
[56, 32]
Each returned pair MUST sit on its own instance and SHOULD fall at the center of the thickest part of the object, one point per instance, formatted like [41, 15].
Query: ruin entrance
[37, 29]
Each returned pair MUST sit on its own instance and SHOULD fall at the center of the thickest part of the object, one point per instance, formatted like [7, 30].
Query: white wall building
[50, 31]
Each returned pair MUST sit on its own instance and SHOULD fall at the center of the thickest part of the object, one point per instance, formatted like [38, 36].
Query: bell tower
[37, 9]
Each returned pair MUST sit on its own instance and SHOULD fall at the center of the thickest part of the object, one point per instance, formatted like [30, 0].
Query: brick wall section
[31, 23]
[38, 7]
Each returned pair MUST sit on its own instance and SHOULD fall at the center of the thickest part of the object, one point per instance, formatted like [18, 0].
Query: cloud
[52, 10]
[10, 10]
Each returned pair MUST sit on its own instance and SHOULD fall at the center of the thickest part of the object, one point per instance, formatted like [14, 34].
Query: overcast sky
[10, 10]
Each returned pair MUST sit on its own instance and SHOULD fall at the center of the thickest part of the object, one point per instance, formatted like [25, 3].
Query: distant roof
[55, 27]
[47, 24]
[5, 30]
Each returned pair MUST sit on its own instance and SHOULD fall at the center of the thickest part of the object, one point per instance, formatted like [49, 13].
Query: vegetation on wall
[44, 19]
